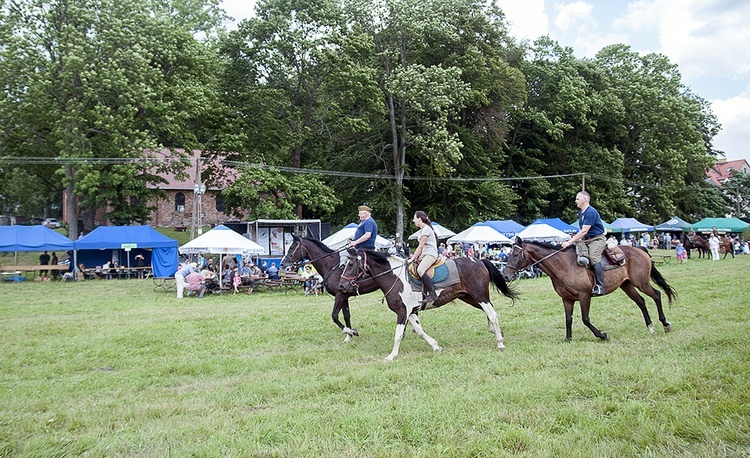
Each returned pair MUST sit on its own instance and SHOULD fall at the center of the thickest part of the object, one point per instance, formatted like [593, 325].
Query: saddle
[433, 271]
[443, 273]
[613, 257]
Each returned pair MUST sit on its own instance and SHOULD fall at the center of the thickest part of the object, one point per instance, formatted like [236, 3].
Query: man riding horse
[589, 240]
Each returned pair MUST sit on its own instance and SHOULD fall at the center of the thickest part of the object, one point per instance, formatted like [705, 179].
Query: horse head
[516, 261]
[294, 254]
[354, 270]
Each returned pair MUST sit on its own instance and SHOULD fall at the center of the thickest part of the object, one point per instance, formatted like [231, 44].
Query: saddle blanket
[444, 273]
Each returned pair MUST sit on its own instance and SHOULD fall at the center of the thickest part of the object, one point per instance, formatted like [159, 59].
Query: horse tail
[497, 279]
[657, 277]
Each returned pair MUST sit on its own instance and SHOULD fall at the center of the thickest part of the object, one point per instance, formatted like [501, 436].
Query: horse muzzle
[347, 287]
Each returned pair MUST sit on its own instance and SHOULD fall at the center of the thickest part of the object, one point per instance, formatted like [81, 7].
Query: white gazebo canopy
[221, 240]
[479, 233]
[339, 239]
[440, 231]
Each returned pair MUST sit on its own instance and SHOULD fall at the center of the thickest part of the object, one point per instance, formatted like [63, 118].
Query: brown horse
[701, 244]
[726, 244]
[573, 283]
[326, 262]
[390, 274]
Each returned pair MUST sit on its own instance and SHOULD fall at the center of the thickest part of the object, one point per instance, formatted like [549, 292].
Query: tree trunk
[71, 206]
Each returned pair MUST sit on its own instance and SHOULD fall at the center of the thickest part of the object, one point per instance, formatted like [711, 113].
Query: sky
[706, 39]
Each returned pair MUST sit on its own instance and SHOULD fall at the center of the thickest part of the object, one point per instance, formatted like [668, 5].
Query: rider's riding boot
[598, 289]
[429, 289]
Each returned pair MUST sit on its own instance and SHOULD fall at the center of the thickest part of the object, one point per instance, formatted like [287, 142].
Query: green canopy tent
[722, 225]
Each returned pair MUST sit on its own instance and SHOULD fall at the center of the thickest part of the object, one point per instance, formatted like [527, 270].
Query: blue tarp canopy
[675, 224]
[508, 227]
[557, 223]
[630, 225]
[164, 258]
[32, 238]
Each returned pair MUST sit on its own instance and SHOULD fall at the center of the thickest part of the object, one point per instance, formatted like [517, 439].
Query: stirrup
[428, 299]
[597, 291]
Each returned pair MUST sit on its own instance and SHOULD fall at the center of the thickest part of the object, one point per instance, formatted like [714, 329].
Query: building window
[179, 202]
[220, 203]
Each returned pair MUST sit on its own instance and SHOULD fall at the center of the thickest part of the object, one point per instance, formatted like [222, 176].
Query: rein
[532, 265]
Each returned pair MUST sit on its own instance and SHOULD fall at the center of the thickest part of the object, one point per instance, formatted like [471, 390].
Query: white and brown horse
[389, 273]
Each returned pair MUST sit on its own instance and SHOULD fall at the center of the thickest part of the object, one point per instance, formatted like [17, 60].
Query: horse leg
[640, 302]
[655, 294]
[341, 303]
[494, 325]
[400, 326]
[585, 302]
[568, 304]
[417, 327]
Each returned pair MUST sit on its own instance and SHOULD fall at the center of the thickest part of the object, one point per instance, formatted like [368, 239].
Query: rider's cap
[364, 208]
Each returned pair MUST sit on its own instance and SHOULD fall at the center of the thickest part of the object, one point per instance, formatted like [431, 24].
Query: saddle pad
[430, 270]
[444, 275]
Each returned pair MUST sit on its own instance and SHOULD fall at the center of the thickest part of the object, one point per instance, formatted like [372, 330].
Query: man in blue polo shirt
[365, 235]
[590, 241]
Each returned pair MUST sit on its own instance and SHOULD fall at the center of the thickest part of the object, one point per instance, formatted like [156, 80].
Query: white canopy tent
[479, 233]
[221, 240]
[542, 232]
[440, 231]
[339, 239]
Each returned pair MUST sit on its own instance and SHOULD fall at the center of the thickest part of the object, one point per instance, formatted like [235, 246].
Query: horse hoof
[354, 332]
[651, 329]
[668, 327]
[388, 359]
[438, 350]
[605, 336]
[500, 347]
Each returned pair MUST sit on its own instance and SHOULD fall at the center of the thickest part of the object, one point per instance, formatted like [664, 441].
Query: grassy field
[112, 368]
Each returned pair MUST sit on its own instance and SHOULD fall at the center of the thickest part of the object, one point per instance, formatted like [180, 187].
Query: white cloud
[734, 116]
[527, 20]
[574, 15]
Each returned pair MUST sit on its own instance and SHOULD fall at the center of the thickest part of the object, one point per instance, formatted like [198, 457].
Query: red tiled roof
[722, 171]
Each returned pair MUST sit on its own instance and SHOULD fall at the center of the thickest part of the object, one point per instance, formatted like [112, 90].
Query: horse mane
[378, 257]
[320, 245]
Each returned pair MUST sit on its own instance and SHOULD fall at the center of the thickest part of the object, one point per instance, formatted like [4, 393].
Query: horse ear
[519, 241]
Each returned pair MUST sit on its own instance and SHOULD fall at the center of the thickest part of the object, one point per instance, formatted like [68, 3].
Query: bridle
[297, 264]
[363, 272]
[523, 256]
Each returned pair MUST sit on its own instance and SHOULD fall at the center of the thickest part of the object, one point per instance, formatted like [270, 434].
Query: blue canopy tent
[32, 238]
[557, 223]
[630, 225]
[675, 224]
[508, 227]
[130, 240]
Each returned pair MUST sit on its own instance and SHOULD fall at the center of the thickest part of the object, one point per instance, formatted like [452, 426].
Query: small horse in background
[391, 275]
[326, 262]
[573, 282]
[727, 244]
[702, 245]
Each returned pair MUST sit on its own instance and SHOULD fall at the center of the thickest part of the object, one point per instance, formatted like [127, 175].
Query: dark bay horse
[391, 276]
[696, 242]
[326, 262]
[573, 283]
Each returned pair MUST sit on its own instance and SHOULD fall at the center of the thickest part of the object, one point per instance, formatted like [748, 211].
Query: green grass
[112, 368]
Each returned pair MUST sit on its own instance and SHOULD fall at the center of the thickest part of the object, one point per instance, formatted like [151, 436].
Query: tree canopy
[408, 105]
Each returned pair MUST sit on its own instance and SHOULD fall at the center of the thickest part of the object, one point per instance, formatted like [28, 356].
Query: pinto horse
[573, 283]
[390, 274]
[326, 262]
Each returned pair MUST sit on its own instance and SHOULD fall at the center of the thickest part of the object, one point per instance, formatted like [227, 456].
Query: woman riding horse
[470, 283]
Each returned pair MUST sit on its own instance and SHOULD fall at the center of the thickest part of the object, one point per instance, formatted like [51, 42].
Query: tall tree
[97, 84]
